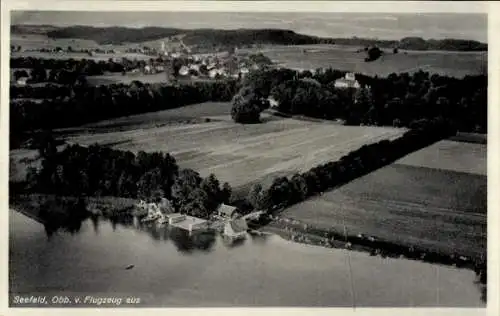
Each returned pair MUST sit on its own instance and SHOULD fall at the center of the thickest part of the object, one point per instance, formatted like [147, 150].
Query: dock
[186, 222]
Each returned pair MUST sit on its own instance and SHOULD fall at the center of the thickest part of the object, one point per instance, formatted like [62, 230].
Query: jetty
[186, 222]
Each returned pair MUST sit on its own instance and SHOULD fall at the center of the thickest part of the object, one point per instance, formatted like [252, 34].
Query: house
[227, 211]
[272, 102]
[184, 71]
[22, 81]
[244, 71]
[311, 81]
[349, 81]
[195, 67]
[154, 212]
[236, 228]
[211, 66]
[213, 73]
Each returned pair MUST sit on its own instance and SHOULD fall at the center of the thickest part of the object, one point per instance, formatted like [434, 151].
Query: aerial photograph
[247, 159]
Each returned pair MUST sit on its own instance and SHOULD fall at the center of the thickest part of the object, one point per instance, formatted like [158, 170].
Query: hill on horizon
[236, 37]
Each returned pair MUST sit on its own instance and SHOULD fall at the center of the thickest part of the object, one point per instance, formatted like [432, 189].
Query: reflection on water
[174, 268]
[68, 217]
[60, 214]
[184, 241]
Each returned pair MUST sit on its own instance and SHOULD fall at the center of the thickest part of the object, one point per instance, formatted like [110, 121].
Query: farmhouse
[349, 81]
[227, 211]
[236, 228]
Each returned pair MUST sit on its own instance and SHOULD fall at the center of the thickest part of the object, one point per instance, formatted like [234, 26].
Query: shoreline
[282, 226]
[302, 233]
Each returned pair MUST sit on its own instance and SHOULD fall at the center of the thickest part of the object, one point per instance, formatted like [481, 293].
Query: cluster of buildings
[210, 65]
[214, 67]
[349, 81]
[235, 226]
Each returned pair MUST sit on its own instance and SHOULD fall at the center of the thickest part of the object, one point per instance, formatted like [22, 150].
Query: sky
[372, 25]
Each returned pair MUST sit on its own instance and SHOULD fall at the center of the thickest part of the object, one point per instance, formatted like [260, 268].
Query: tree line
[68, 71]
[395, 100]
[89, 67]
[83, 104]
[101, 171]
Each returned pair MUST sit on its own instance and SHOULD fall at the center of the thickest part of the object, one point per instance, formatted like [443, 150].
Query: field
[439, 204]
[346, 58]
[238, 154]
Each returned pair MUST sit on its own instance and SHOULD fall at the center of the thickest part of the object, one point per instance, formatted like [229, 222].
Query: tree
[225, 193]
[280, 191]
[196, 204]
[374, 53]
[254, 195]
[211, 187]
[150, 185]
[299, 187]
[247, 106]
[20, 74]
[46, 145]
[38, 74]
[32, 178]
[259, 198]
[187, 181]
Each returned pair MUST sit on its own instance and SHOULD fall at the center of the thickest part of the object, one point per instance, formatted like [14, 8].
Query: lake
[173, 269]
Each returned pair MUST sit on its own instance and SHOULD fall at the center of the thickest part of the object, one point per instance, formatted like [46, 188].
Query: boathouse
[236, 228]
[186, 222]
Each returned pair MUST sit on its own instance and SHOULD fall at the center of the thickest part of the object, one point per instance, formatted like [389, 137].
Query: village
[172, 57]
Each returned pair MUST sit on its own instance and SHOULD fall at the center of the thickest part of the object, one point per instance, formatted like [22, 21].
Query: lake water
[173, 269]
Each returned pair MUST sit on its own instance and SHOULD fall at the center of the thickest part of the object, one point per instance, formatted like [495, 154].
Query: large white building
[349, 81]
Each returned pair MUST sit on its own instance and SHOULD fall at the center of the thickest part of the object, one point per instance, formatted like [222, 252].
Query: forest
[79, 104]
[397, 100]
[96, 171]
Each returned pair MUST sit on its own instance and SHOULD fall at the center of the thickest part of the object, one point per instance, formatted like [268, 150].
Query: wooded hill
[237, 37]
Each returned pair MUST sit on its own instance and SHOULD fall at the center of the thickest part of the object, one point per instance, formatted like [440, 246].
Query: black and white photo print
[187, 155]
